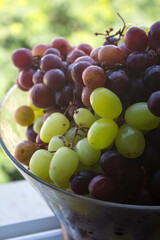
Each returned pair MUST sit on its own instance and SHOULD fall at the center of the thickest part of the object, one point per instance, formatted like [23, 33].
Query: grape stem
[119, 32]
[70, 103]
[76, 134]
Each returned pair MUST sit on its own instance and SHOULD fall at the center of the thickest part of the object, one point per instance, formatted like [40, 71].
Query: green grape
[80, 134]
[83, 117]
[55, 124]
[63, 166]
[130, 142]
[87, 154]
[102, 133]
[105, 103]
[38, 124]
[139, 116]
[40, 162]
[57, 142]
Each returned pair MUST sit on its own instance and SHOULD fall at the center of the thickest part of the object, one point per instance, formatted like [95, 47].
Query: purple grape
[154, 103]
[113, 163]
[154, 35]
[118, 82]
[103, 188]
[151, 78]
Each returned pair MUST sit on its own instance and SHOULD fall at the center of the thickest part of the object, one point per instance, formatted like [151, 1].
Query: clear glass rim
[95, 201]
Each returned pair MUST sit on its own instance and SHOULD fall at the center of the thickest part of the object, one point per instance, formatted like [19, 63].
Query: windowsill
[20, 202]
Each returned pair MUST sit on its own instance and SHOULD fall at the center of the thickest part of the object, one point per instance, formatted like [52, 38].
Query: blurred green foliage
[25, 23]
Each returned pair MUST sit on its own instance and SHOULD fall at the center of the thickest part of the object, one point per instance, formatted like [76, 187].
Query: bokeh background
[25, 23]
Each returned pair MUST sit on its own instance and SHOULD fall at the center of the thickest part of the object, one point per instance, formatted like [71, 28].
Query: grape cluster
[93, 115]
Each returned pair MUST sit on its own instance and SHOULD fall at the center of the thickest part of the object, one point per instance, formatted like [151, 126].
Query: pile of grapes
[93, 115]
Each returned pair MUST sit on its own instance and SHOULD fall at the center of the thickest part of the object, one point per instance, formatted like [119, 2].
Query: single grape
[38, 77]
[135, 39]
[94, 77]
[154, 35]
[22, 58]
[40, 162]
[124, 49]
[52, 51]
[110, 56]
[63, 166]
[62, 45]
[105, 103]
[79, 183]
[73, 55]
[25, 78]
[24, 115]
[102, 133]
[103, 188]
[50, 61]
[139, 116]
[154, 103]
[41, 96]
[85, 48]
[39, 49]
[86, 93]
[87, 154]
[19, 85]
[57, 142]
[64, 96]
[31, 134]
[86, 59]
[83, 117]
[77, 71]
[130, 141]
[24, 150]
[54, 79]
[137, 62]
[114, 164]
[94, 53]
[55, 124]
[118, 82]
[151, 78]
[111, 40]
[38, 124]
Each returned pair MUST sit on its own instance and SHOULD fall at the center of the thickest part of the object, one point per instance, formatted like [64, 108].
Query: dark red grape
[54, 79]
[125, 50]
[77, 71]
[86, 59]
[94, 53]
[50, 61]
[41, 96]
[85, 48]
[94, 77]
[19, 85]
[22, 58]
[30, 133]
[154, 103]
[73, 55]
[113, 163]
[103, 188]
[64, 96]
[137, 62]
[62, 45]
[152, 78]
[118, 82]
[25, 78]
[38, 77]
[39, 49]
[135, 39]
[79, 183]
[52, 51]
[154, 35]
[86, 92]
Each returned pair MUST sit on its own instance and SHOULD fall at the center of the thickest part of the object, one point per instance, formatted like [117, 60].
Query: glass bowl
[80, 217]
